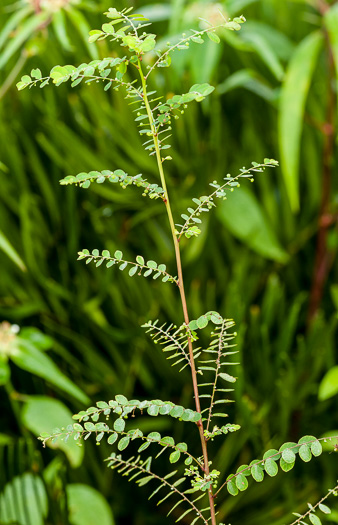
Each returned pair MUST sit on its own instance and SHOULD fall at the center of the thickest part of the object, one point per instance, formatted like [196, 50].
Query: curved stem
[180, 283]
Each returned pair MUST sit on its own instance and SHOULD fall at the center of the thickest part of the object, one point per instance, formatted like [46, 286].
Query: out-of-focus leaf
[250, 80]
[280, 42]
[81, 25]
[26, 30]
[243, 217]
[59, 26]
[331, 22]
[264, 50]
[334, 294]
[43, 414]
[329, 384]
[29, 358]
[24, 501]
[12, 23]
[6, 247]
[156, 12]
[87, 506]
[235, 7]
[291, 110]
[5, 372]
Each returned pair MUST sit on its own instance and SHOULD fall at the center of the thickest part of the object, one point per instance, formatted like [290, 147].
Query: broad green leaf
[44, 414]
[329, 384]
[13, 501]
[8, 249]
[244, 218]
[29, 358]
[291, 110]
[87, 506]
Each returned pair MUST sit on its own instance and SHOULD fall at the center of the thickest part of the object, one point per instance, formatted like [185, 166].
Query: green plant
[195, 480]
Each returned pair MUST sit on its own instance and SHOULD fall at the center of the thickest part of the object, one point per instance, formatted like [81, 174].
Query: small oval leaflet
[153, 410]
[271, 467]
[112, 438]
[288, 456]
[174, 456]
[123, 443]
[119, 425]
[286, 466]
[305, 453]
[316, 448]
[232, 487]
[257, 473]
[324, 508]
[314, 519]
[241, 482]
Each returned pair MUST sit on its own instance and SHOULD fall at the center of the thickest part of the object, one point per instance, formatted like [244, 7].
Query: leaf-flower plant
[195, 484]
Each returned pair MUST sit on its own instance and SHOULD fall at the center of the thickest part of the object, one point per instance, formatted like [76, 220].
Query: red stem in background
[323, 257]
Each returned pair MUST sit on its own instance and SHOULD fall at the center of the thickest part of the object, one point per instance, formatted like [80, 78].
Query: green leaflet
[291, 110]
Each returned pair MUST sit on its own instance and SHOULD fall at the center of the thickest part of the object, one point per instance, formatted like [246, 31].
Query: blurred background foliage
[266, 258]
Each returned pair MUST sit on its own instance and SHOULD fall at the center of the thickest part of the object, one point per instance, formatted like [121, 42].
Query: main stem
[180, 286]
